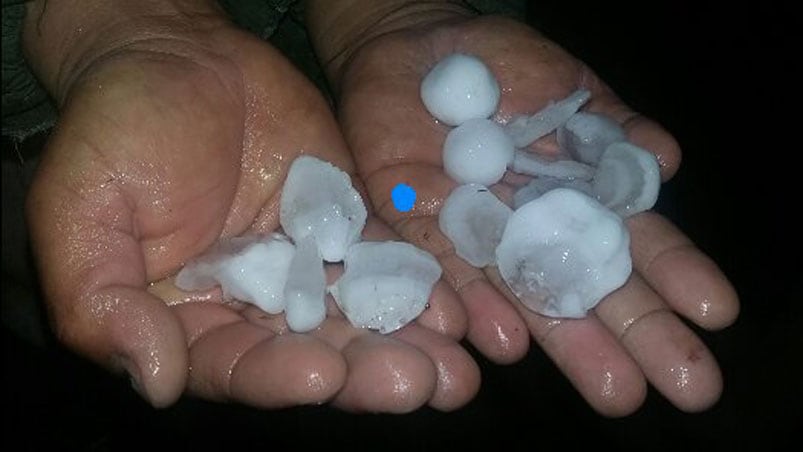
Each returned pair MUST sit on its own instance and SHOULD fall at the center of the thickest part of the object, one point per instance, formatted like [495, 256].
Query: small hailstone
[319, 200]
[460, 87]
[585, 136]
[305, 289]
[385, 284]
[251, 269]
[563, 252]
[543, 184]
[628, 179]
[525, 129]
[474, 218]
[534, 165]
[478, 151]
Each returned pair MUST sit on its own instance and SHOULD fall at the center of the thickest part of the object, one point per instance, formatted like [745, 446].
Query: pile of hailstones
[565, 246]
[561, 251]
[384, 286]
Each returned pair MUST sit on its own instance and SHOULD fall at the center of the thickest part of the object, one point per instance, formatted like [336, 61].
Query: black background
[721, 80]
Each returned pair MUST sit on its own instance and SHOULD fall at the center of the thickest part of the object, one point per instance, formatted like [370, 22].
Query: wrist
[338, 29]
[61, 39]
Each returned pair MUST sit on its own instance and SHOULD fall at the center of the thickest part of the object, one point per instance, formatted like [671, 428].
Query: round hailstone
[319, 200]
[478, 151]
[460, 87]
[586, 136]
[385, 284]
[628, 179]
[474, 219]
[252, 269]
[563, 252]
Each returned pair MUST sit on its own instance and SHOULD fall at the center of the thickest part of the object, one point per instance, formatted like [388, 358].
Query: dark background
[721, 80]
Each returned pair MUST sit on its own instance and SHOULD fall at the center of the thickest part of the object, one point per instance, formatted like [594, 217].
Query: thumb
[126, 328]
[93, 276]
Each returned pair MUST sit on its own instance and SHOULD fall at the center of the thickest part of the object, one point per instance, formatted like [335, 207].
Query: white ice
[385, 284]
[525, 129]
[319, 200]
[563, 252]
[541, 185]
[585, 136]
[478, 151]
[460, 87]
[628, 179]
[474, 219]
[534, 165]
[252, 269]
[305, 289]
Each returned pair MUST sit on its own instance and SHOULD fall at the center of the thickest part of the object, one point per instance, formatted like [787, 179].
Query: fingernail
[133, 376]
[136, 386]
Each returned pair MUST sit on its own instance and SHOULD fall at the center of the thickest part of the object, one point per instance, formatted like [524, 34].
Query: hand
[632, 335]
[176, 130]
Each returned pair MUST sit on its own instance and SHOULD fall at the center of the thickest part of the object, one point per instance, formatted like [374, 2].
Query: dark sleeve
[27, 108]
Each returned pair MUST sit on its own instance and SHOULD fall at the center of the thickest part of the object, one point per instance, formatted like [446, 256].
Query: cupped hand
[167, 142]
[635, 334]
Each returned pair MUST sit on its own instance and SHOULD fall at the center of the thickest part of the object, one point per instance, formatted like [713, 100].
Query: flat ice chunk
[460, 87]
[563, 252]
[534, 165]
[478, 151]
[543, 184]
[385, 284]
[586, 136]
[628, 179]
[252, 269]
[305, 288]
[525, 129]
[319, 200]
[474, 219]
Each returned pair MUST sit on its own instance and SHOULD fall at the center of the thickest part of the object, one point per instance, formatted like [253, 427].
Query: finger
[93, 276]
[130, 326]
[458, 374]
[198, 318]
[444, 313]
[385, 374]
[672, 358]
[240, 361]
[590, 357]
[689, 281]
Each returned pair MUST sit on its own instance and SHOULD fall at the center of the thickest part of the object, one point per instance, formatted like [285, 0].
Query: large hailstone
[460, 87]
[563, 252]
[251, 269]
[319, 200]
[385, 284]
[474, 219]
[478, 151]
[628, 179]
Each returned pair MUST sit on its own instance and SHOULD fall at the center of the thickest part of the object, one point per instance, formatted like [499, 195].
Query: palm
[633, 333]
[156, 158]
